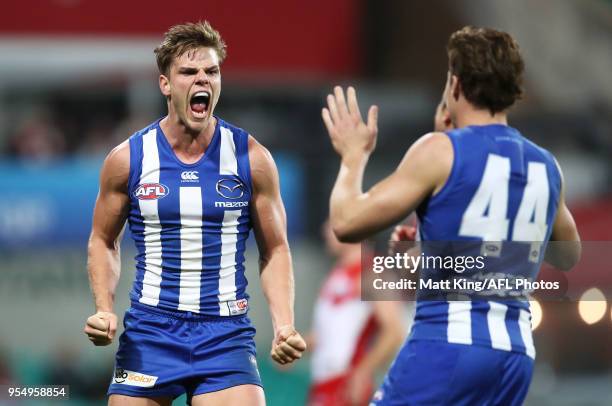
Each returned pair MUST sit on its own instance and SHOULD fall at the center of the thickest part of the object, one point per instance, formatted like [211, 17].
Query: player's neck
[181, 139]
[471, 116]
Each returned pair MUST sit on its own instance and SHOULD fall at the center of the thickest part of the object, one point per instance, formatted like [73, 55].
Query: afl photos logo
[230, 188]
[151, 191]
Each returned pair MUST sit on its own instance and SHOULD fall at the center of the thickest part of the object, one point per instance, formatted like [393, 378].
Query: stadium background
[78, 76]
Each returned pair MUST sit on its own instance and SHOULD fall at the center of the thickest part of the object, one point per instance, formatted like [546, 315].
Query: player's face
[193, 87]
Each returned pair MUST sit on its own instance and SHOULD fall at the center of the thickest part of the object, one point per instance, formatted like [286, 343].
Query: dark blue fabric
[187, 352]
[437, 373]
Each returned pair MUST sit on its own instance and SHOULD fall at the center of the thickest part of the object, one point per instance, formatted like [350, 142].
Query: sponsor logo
[230, 188]
[124, 377]
[231, 204]
[120, 375]
[190, 176]
[238, 306]
[151, 191]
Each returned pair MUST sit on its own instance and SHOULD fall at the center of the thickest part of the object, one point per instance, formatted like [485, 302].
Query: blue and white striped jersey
[502, 187]
[190, 222]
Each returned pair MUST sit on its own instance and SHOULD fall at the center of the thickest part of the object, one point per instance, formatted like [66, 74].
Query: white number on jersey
[486, 216]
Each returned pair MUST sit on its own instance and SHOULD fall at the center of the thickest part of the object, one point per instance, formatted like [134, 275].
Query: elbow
[568, 256]
[574, 253]
[570, 261]
[97, 241]
[348, 239]
[565, 265]
[344, 233]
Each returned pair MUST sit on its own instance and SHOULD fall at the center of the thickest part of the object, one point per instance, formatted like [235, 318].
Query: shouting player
[190, 185]
[482, 181]
[352, 339]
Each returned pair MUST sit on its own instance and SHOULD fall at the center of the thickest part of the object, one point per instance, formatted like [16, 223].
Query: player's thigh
[240, 395]
[123, 400]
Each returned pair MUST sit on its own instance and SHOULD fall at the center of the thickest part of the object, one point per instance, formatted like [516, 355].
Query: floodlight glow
[536, 314]
[592, 306]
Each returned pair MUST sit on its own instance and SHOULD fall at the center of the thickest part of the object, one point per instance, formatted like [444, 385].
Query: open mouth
[199, 104]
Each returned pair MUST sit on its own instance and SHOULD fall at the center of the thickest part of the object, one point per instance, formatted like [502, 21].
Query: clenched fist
[287, 346]
[101, 328]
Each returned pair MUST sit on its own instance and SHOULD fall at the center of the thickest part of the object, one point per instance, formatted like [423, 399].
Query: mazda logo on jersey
[151, 191]
[230, 188]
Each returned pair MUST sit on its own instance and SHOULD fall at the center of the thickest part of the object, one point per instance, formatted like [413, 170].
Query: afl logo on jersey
[230, 188]
[151, 191]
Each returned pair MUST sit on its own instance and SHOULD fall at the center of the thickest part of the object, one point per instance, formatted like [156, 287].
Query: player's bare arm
[565, 248]
[270, 228]
[406, 232]
[103, 262]
[355, 214]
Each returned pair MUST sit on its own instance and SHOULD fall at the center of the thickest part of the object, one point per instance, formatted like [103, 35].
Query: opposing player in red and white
[351, 338]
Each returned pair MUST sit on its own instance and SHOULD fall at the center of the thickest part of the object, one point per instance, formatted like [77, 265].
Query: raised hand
[348, 132]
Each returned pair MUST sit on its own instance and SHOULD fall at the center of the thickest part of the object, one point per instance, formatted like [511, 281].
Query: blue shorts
[440, 373]
[167, 354]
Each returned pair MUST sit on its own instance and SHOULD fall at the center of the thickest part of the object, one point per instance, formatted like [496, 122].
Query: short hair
[489, 67]
[185, 37]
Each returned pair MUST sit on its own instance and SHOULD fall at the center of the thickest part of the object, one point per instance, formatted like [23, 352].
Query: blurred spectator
[99, 137]
[37, 138]
[6, 377]
[127, 127]
[65, 369]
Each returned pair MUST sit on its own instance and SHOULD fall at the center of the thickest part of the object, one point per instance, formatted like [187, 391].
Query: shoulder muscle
[116, 168]
[263, 169]
[430, 158]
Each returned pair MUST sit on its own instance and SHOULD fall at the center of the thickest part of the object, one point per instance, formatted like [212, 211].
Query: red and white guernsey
[343, 324]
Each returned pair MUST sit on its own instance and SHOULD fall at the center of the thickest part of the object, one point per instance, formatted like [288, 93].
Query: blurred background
[77, 77]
